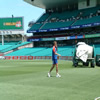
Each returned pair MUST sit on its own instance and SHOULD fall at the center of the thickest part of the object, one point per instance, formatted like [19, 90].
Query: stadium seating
[11, 43]
[97, 49]
[87, 12]
[64, 51]
[4, 47]
[38, 24]
[36, 27]
[65, 15]
[87, 21]
[70, 16]
[25, 52]
[12, 47]
[43, 17]
[57, 25]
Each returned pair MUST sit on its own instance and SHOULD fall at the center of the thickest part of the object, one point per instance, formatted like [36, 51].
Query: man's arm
[57, 54]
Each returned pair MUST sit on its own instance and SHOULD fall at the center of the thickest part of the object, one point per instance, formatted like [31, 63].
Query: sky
[19, 8]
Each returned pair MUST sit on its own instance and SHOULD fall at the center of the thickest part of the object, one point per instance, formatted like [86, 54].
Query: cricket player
[54, 60]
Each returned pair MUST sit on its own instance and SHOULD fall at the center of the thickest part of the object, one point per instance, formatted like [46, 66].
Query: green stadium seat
[2, 47]
[87, 21]
[97, 49]
[43, 17]
[87, 12]
[64, 16]
[57, 25]
[36, 27]
[64, 51]
[12, 47]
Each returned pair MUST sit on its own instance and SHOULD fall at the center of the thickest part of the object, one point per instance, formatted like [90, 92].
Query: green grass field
[27, 80]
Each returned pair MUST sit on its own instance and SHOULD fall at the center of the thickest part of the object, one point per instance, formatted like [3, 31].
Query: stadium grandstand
[67, 22]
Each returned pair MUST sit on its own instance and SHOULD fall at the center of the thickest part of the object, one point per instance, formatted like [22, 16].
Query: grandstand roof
[46, 4]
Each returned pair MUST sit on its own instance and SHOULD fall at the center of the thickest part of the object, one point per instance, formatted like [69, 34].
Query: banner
[32, 40]
[1, 54]
[65, 28]
[15, 23]
[66, 38]
[36, 57]
[15, 57]
[92, 36]
[61, 38]
[8, 57]
[23, 57]
[48, 39]
[72, 37]
[30, 57]
[79, 37]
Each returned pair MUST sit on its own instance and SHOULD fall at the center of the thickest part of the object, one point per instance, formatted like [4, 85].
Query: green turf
[27, 80]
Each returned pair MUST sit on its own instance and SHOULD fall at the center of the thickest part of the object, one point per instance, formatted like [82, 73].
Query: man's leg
[56, 68]
[52, 68]
[57, 74]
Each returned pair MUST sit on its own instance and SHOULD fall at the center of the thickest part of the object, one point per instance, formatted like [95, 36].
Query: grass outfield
[27, 80]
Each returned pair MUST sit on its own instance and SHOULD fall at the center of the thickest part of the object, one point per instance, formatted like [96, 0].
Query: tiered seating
[11, 43]
[87, 21]
[36, 27]
[87, 12]
[43, 17]
[14, 47]
[64, 51]
[25, 52]
[64, 15]
[67, 18]
[45, 52]
[57, 25]
[4, 47]
[97, 49]
[38, 24]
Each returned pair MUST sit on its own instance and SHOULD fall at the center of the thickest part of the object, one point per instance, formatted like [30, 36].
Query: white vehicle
[2, 57]
[85, 54]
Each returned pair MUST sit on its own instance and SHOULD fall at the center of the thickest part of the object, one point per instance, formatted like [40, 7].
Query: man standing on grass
[54, 59]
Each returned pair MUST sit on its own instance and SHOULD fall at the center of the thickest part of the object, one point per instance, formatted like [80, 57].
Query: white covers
[84, 51]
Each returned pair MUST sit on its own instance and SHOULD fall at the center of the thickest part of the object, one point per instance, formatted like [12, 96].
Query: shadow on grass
[81, 66]
[51, 76]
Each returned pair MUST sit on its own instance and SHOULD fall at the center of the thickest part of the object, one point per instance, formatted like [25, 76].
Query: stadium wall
[83, 4]
[98, 2]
